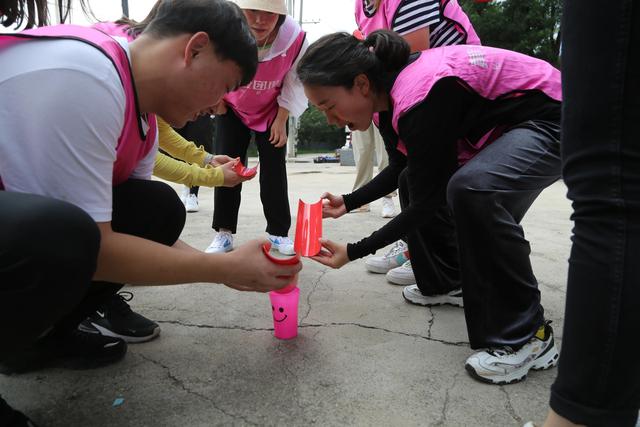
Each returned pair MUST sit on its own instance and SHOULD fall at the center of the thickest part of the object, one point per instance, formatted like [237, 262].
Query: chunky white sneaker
[394, 257]
[283, 244]
[222, 242]
[414, 296]
[184, 194]
[402, 275]
[505, 365]
[388, 207]
[192, 203]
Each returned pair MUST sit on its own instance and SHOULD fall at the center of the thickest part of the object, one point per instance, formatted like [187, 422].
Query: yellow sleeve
[183, 173]
[178, 147]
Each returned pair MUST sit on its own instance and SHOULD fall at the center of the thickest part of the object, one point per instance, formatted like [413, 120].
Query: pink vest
[490, 72]
[383, 18]
[257, 103]
[133, 145]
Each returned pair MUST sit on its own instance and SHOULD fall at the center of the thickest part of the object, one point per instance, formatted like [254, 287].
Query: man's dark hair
[222, 20]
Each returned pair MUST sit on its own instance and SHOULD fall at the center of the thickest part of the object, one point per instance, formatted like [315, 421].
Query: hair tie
[371, 49]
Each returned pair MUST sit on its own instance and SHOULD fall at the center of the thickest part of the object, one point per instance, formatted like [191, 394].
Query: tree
[531, 27]
[315, 134]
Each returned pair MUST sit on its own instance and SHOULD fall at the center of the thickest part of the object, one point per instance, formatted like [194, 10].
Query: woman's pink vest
[133, 145]
[383, 18]
[257, 103]
[490, 72]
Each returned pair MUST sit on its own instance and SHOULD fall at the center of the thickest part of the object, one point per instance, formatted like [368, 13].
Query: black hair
[135, 28]
[36, 12]
[222, 20]
[336, 59]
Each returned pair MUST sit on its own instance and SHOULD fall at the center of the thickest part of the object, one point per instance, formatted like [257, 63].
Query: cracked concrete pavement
[363, 355]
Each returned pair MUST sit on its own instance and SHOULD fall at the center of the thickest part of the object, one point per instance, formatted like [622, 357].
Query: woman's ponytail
[391, 49]
[336, 59]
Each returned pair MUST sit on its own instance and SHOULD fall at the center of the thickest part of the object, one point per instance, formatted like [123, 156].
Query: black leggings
[48, 254]
[232, 139]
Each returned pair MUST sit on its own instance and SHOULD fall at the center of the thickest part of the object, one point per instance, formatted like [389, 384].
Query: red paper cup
[308, 228]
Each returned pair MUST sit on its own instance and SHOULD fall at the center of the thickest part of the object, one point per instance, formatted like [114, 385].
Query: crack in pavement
[431, 321]
[359, 325]
[318, 325]
[509, 407]
[179, 383]
[204, 326]
[315, 286]
[445, 407]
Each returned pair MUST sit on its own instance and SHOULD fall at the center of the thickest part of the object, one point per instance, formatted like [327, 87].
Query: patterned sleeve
[413, 15]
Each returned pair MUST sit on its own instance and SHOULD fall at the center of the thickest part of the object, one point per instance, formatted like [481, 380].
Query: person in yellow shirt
[201, 168]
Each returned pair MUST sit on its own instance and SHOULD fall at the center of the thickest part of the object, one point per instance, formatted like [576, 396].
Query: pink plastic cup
[285, 313]
[284, 302]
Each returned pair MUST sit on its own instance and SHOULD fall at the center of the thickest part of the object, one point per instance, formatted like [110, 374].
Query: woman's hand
[278, 136]
[231, 178]
[221, 159]
[332, 206]
[332, 254]
[219, 109]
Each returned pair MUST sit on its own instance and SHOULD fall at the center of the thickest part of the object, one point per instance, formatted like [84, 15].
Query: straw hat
[274, 6]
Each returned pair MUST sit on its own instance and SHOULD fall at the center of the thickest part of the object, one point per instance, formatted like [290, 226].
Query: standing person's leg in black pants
[202, 135]
[598, 381]
[232, 139]
[147, 209]
[274, 193]
[434, 257]
[489, 196]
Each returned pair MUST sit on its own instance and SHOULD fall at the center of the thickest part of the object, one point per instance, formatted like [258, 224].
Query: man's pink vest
[383, 18]
[133, 145]
[256, 104]
[490, 72]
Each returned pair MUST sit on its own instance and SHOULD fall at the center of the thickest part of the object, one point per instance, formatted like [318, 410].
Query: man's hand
[250, 270]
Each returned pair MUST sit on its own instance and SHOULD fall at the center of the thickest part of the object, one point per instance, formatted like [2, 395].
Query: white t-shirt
[61, 114]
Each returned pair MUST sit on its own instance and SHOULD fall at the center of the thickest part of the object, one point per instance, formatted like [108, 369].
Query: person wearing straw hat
[262, 108]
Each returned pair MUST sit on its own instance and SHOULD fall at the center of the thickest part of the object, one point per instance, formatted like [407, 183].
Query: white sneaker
[394, 257]
[222, 242]
[283, 244]
[192, 203]
[184, 194]
[388, 207]
[505, 366]
[414, 296]
[402, 275]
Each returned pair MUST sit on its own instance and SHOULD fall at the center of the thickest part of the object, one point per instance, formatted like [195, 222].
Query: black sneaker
[73, 350]
[116, 319]
[9, 417]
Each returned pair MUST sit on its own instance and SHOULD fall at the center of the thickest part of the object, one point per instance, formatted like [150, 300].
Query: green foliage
[315, 134]
[527, 26]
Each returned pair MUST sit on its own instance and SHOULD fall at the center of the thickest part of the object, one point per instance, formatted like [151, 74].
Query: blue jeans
[598, 381]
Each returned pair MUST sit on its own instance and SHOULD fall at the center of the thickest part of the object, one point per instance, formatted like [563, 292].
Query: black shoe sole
[129, 339]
